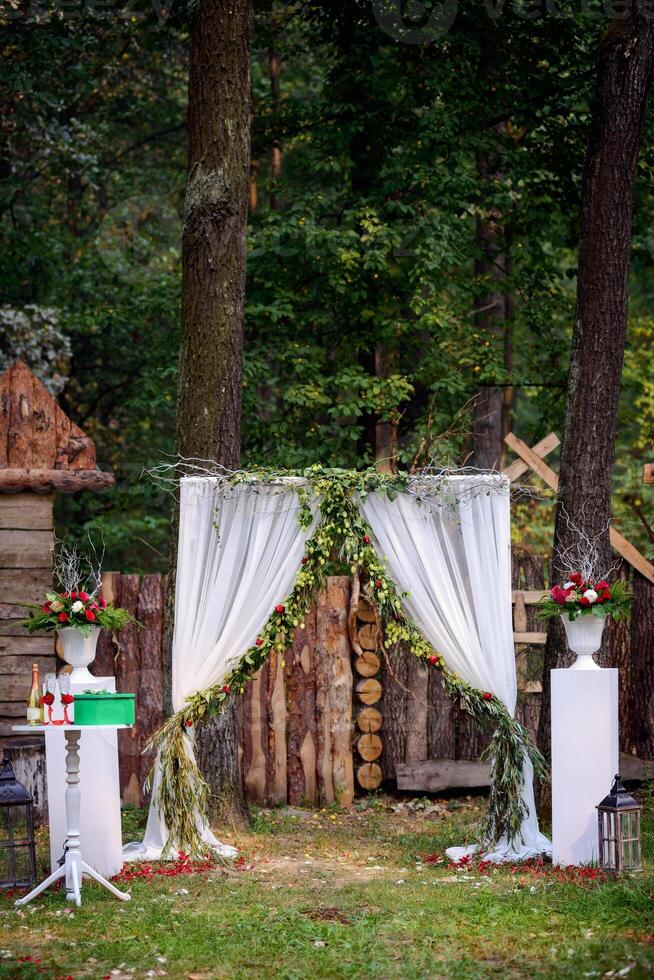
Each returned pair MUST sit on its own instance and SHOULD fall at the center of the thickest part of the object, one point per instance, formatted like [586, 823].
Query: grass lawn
[343, 894]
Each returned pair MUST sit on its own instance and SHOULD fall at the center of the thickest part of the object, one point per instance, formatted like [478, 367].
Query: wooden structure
[41, 451]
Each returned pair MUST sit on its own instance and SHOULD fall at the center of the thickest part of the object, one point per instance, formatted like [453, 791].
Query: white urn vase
[79, 651]
[584, 635]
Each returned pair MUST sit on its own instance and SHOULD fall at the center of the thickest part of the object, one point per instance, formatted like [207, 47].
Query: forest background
[412, 240]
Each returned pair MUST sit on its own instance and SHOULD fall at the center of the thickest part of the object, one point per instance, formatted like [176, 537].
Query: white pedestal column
[585, 757]
[99, 825]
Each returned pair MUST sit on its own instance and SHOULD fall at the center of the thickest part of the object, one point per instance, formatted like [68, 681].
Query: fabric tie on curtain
[454, 558]
[238, 556]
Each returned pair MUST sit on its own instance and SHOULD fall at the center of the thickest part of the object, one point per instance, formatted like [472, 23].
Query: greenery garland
[183, 792]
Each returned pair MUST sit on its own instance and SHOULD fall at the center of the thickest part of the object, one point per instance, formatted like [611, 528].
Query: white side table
[74, 867]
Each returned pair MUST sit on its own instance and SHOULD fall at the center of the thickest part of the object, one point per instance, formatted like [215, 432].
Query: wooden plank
[254, 729]
[26, 510]
[436, 775]
[19, 666]
[530, 597]
[648, 473]
[520, 614]
[547, 474]
[541, 449]
[534, 639]
[276, 776]
[149, 685]
[68, 481]
[24, 585]
[300, 680]
[26, 549]
[26, 646]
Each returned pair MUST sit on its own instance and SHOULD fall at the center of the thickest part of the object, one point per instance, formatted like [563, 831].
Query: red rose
[487, 696]
[584, 601]
[47, 698]
[63, 617]
[280, 608]
[378, 583]
[602, 585]
[67, 698]
[226, 689]
[304, 561]
[577, 579]
[73, 595]
[46, 607]
[188, 722]
[90, 615]
[102, 603]
[432, 660]
[63, 595]
[366, 539]
[84, 596]
[259, 641]
[559, 594]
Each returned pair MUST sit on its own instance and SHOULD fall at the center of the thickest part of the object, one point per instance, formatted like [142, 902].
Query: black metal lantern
[17, 851]
[619, 830]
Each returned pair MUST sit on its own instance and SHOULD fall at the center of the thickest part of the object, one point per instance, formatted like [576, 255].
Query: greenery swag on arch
[183, 795]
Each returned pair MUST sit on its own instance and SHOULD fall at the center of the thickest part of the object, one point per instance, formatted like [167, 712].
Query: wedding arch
[253, 549]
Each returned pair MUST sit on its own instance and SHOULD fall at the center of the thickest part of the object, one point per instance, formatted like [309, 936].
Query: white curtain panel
[455, 561]
[238, 557]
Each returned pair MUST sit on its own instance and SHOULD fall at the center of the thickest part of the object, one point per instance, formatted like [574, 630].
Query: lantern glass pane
[4, 867]
[20, 823]
[4, 822]
[22, 863]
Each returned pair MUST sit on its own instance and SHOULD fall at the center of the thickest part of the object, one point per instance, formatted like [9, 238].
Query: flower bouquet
[76, 610]
[579, 597]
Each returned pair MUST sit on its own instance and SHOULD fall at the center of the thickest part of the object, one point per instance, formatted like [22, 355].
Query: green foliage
[364, 269]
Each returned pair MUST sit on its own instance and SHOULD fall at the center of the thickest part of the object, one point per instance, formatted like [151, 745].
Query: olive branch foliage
[341, 532]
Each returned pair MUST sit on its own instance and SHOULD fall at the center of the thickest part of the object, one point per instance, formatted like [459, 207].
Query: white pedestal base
[585, 758]
[100, 809]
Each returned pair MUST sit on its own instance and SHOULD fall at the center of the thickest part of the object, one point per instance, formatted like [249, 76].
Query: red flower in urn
[487, 696]
[280, 608]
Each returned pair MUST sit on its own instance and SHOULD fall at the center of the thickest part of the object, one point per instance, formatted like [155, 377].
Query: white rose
[77, 606]
[56, 606]
[591, 595]
[569, 585]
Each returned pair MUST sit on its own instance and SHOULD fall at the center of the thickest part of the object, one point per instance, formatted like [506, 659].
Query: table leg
[74, 868]
[73, 800]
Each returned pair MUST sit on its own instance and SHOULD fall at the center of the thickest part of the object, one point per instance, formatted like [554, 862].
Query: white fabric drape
[238, 556]
[455, 561]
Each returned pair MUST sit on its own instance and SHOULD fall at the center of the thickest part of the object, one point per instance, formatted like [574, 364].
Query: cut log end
[369, 691]
[369, 720]
[369, 775]
[369, 747]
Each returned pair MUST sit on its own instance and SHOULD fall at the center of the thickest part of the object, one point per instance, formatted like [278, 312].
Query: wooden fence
[326, 720]
[334, 715]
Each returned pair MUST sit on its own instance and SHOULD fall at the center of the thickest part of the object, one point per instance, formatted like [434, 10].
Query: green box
[104, 709]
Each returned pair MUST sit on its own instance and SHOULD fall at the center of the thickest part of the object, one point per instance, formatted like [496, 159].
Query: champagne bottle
[34, 708]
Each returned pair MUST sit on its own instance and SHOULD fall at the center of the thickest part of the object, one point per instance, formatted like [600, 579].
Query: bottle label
[34, 714]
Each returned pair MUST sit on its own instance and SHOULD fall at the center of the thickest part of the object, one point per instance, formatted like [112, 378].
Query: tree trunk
[641, 687]
[213, 288]
[623, 82]
[492, 406]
